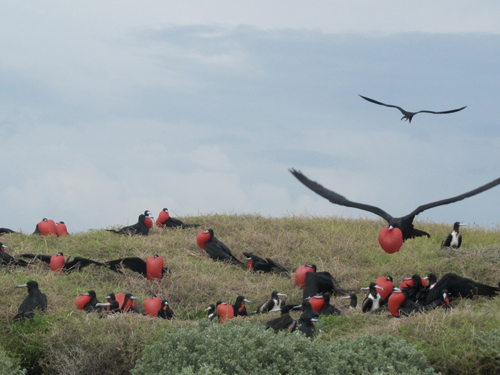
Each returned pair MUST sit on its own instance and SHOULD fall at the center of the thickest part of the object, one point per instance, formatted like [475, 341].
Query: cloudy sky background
[107, 110]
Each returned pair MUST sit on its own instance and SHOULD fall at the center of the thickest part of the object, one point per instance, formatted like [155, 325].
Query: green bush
[8, 366]
[247, 349]
[488, 343]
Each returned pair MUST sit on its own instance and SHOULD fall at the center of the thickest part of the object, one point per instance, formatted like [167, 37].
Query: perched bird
[239, 306]
[316, 283]
[35, 300]
[61, 229]
[164, 220]
[165, 312]
[87, 301]
[58, 263]
[387, 285]
[454, 239]
[399, 304]
[273, 304]
[224, 311]
[409, 115]
[400, 228]
[139, 228]
[6, 259]
[306, 323]
[216, 249]
[46, 227]
[148, 221]
[118, 302]
[212, 310]
[327, 308]
[431, 280]
[285, 322]
[354, 301]
[258, 264]
[6, 231]
[152, 268]
[459, 287]
[373, 300]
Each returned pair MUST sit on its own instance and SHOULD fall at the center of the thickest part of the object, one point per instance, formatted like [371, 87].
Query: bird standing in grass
[216, 249]
[454, 239]
[164, 220]
[139, 228]
[58, 263]
[272, 304]
[373, 300]
[36, 300]
[6, 259]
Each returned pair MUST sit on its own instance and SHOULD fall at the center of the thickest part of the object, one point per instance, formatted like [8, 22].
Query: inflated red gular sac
[61, 229]
[152, 306]
[46, 227]
[154, 267]
[300, 274]
[225, 311]
[387, 285]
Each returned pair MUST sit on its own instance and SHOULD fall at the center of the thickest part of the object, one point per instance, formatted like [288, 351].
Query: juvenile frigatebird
[139, 228]
[403, 226]
[216, 249]
[135, 264]
[36, 300]
[454, 239]
[166, 221]
[258, 264]
[69, 266]
[273, 304]
[409, 115]
[6, 259]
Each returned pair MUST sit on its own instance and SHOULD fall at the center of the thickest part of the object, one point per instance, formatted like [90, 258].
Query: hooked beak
[208, 308]
[281, 294]
[379, 287]
[103, 304]
[22, 286]
[317, 297]
[314, 320]
[84, 294]
[391, 227]
[247, 301]
[132, 297]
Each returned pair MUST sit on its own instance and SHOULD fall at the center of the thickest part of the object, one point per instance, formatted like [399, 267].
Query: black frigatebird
[403, 224]
[216, 249]
[273, 304]
[135, 264]
[318, 283]
[306, 323]
[285, 322]
[354, 301]
[327, 308]
[165, 311]
[68, 266]
[36, 300]
[409, 115]
[119, 302]
[6, 231]
[258, 264]
[212, 310]
[454, 239]
[239, 306]
[7, 259]
[90, 306]
[139, 228]
[164, 220]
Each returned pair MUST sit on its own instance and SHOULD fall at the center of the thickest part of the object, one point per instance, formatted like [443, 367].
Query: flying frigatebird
[400, 228]
[409, 115]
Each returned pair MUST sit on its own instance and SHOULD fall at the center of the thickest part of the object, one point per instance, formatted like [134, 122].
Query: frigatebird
[354, 301]
[165, 311]
[273, 304]
[327, 308]
[139, 228]
[212, 310]
[409, 115]
[74, 265]
[454, 239]
[285, 322]
[90, 306]
[6, 259]
[318, 283]
[373, 300]
[6, 231]
[239, 306]
[164, 220]
[258, 264]
[36, 300]
[404, 223]
[306, 325]
[135, 264]
[216, 249]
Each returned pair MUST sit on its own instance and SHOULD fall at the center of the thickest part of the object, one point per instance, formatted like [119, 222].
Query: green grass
[67, 340]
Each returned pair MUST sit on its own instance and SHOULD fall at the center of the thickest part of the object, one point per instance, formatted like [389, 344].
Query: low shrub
[8, 366]
[246, 349]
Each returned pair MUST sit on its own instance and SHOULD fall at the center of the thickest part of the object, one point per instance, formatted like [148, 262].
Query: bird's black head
[2, 247]
[165, 209]
[61, 222]
[45, 219]
[60, 254]
[431, 279]
[147, 213]
[389, 278]
[211, 232]
[326, 298]
[31, 285]
[110, 297]
[313, 266]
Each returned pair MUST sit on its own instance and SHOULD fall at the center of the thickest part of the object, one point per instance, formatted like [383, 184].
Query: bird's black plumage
[285, 322]
[306, 323]
[165, 311]
[36, 300]
[354, 301]
[458, 286]
[172, 222]
[135, 264]
[91, 305]
[139, 228]
[316, 283]
[217, 250]
[69, 265]
[327, 308]
[6, 259]
[239, 306]
[272, 304]
[454, 239]
[265, 265]
[212, 311]
[404, 223]
[373, 300]
[409, 115]
[6, 231]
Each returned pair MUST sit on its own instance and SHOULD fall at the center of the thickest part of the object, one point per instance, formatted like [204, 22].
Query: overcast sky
[107, 110]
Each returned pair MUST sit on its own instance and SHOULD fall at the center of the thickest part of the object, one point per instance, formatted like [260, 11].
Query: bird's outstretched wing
[455, 199]
[439, 113]
[79, 263]
[387, 105]
[43, 258]
[337, 198]
[278, 266]
[133, 263]
[459, 286]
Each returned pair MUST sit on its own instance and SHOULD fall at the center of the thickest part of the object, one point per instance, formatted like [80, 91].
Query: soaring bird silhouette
[454, 239]
[216, 249]
[69, 266]
[139, 228]
[6, 259]
[403, 224]
[409, 115]
[258, 264]
[133, 263]
[36, 300]
[164, 220]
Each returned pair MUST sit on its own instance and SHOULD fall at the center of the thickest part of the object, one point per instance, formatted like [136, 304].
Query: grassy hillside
[67, 340]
